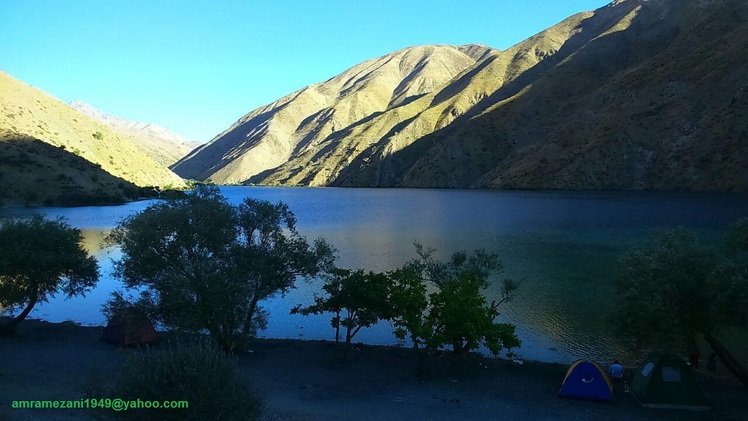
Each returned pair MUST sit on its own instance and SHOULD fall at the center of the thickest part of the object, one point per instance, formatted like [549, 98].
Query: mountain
[34, 172]
[271, 135]
[635, 95]
[659, 101]
[164, 146]
[53, 153]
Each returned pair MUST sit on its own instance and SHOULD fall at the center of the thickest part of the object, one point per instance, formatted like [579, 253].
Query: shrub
[195, 372]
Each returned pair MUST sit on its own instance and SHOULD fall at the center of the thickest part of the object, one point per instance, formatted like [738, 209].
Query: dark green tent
[666, 381]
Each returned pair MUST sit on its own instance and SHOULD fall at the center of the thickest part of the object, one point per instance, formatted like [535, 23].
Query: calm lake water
[563, 246]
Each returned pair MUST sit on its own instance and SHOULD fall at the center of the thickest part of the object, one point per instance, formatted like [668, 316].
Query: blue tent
[586, 380]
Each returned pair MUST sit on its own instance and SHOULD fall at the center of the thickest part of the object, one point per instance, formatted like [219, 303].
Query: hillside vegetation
[36, 173]
[301, 122]
[635, 95]
[164, 146]
[29, 117]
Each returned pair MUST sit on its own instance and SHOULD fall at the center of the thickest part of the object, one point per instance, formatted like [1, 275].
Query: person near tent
[693, 357]
[616, 371]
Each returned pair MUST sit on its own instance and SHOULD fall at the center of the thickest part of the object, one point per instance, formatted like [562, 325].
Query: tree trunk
[348, 338]
[337, 329]
[9, 327]
[457, 346]
[421, 359]
[250, 314]
[730, 362]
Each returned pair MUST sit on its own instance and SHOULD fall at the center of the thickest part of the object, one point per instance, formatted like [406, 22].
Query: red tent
[129, 328]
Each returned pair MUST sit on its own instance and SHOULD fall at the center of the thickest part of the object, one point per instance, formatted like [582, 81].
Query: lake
[562, 246]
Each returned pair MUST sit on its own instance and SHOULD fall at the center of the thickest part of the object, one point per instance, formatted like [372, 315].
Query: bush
[194, 372]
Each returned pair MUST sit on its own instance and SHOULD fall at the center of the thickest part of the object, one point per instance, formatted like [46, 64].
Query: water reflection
[563, 246]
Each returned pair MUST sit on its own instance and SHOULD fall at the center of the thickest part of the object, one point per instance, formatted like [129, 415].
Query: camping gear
[586, 380]
[129, 328]
[665, 381]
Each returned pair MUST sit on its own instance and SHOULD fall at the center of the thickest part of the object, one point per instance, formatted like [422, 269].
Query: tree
[462, 318]
[39, 258]
[361, 298]
[207, 264]
[410, 312]
[457, 313]
[672, 291]
[270, 254]
[458, 309]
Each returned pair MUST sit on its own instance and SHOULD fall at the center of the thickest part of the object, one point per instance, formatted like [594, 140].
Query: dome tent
[586, 380]
[666, 381]
[129, 327]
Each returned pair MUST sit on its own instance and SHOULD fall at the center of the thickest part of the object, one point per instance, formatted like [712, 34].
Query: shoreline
[301, 380]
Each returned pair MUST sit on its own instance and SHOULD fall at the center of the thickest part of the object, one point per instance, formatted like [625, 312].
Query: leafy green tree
[410, 307]
[270, 253]
[462, 318]
[456, 313]
[357, 300]
[481, 264]
[673, 290]
[460, 281]
[206, 264]
[39, 258]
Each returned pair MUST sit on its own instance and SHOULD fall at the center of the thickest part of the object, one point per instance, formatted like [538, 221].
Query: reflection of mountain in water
[93, 241]
[562, 246]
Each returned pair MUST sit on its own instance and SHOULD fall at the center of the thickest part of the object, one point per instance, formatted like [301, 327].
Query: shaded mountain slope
[28, 113]
[362, 155]
[634, 95]
[37, 173]
[164, 146]
[658, 102]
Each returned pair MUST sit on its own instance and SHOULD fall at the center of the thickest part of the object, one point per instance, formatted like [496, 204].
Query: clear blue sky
[195, 67]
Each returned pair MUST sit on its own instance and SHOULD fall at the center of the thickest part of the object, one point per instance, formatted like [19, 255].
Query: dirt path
[301, 380]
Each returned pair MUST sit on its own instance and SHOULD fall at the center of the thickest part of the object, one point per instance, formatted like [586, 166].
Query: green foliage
[673, 290]
[457, 313]
[206, 264]
[410, 307]
[88, 199]
[662, 290]
[357, 300]
[270, 253]
[481, 264]
[461, 317]
[197, 373]
[98, 135]
[39, 258]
